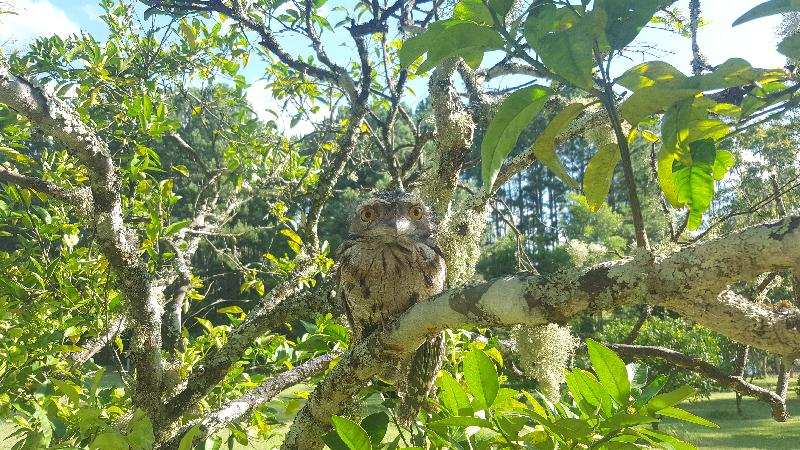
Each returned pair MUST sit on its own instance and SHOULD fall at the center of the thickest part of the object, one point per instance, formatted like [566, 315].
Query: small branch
[607, 98]
[80, 197]
[764, 202]
[735, 382]
[92, 346]
[510, 68]
[244, 404]
[698, 62]
[378, 23]
[171, 321]
[637, 327]
[183, 145]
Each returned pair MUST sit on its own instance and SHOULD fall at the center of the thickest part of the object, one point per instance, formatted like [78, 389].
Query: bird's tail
[416, 385]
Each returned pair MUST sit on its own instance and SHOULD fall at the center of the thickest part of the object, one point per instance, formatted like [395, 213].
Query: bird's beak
[401, 225]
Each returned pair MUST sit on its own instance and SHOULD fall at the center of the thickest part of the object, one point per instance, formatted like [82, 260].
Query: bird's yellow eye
[368, 214]
[415, 212]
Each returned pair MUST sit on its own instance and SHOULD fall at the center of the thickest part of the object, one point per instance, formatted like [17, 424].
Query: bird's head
[392, 215]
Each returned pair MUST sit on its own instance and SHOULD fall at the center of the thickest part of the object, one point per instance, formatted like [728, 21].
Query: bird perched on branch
[389, 261]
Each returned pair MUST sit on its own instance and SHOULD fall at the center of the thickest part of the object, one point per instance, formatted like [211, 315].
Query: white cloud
[33, 18]
[267, 108]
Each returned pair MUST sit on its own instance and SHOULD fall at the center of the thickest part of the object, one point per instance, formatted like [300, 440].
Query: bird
[389, 261]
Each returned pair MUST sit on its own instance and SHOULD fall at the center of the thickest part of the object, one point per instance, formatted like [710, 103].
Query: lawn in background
[753, 430]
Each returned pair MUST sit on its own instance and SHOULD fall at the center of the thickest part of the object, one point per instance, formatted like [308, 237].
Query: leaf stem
[607, 99]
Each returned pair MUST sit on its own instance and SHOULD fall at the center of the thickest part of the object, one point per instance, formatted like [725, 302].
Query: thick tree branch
[735, 382]
[688, 281]
[59, 120]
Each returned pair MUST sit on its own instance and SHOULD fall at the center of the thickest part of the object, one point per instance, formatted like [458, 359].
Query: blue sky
[754, 41]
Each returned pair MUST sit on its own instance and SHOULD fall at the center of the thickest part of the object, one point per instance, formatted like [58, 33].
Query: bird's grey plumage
[389, 261]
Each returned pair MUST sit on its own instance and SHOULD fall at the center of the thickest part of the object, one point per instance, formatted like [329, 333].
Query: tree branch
[735, 382]
[80, 197]
[454, 128]
[244, 404]
[96, 343]
[183, 145]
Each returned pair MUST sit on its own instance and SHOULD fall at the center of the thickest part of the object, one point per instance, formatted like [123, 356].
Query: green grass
[753, 430]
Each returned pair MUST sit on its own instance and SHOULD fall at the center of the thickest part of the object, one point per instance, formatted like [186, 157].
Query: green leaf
[686, 416]
[506, 401]
[375, 425]
[652, 390]
[591, 389]
[480, 374]
[109, 441]
[722, 163]
[140, 431]
[668, 399]
[650, 100]
[513, 117]
[230, 310]
[545, 146]
[187, 441]
[695, 183]
[452, 395]
[511, 425]
[72, 391]
[333, 441]
[790, 46]
[579, 396]
[624, 420]
[537, 407]
[183, 170]
[565, 41]
[656, 436]
[768, 9]
[177, 226]
[449, 38]
[695, 187]
[685, 122]
[649, 74]
[598, 176]
[355, 437]
[572, 428]
[462, 421]
[150, 11]
[733, 72]
[473, 11]
[610, 370]
[501, 7]
[626, 18]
